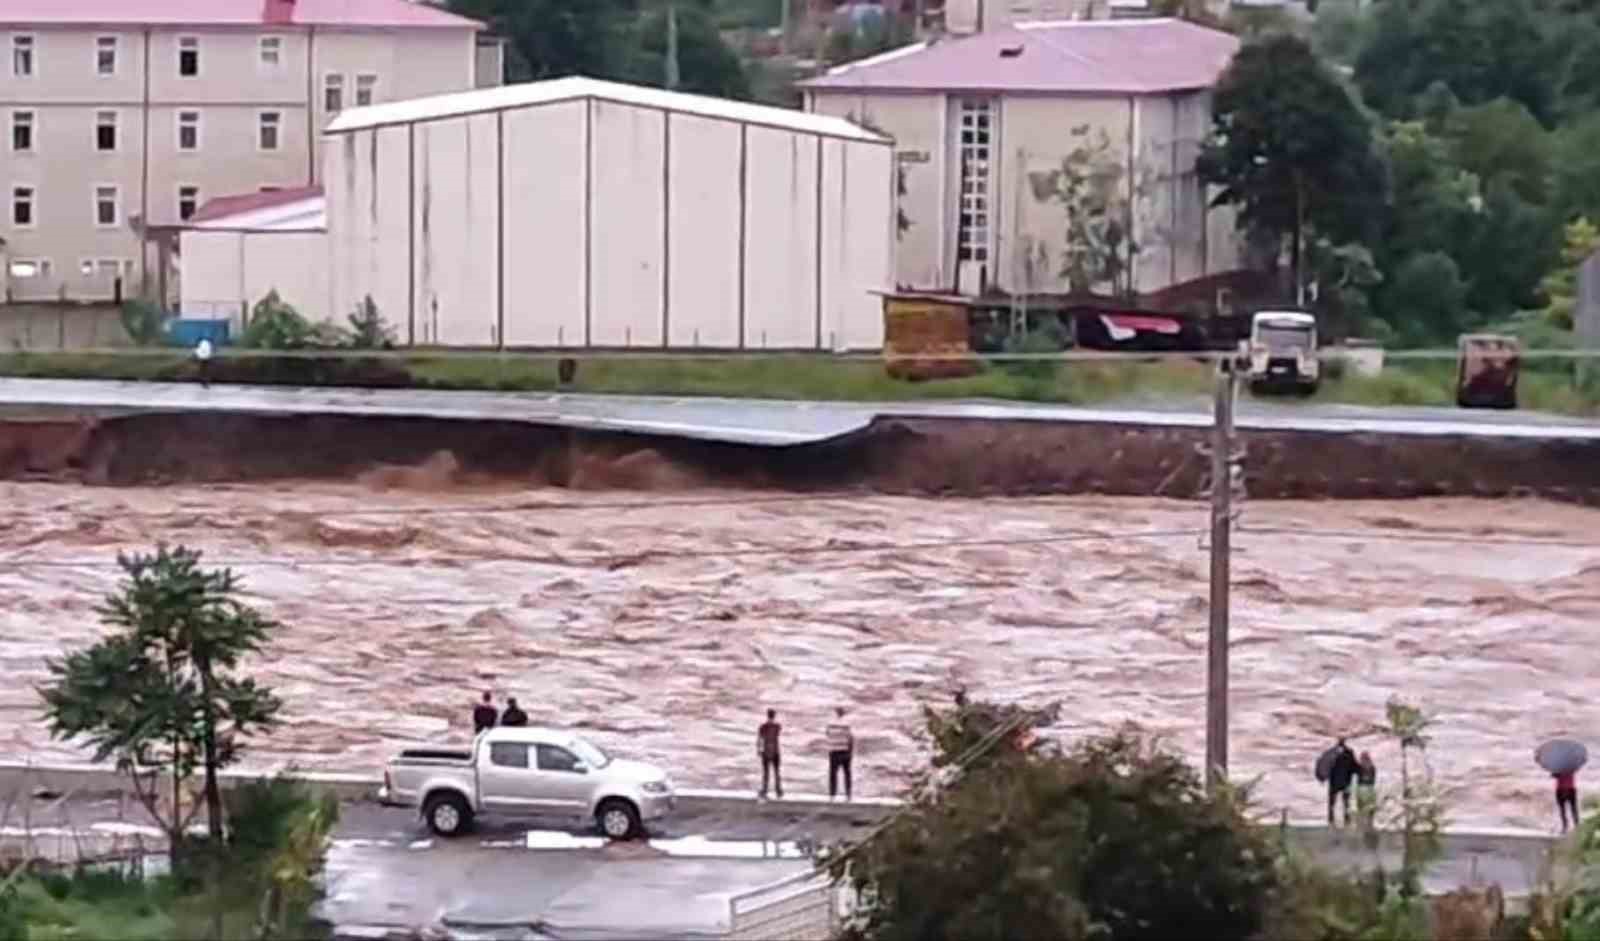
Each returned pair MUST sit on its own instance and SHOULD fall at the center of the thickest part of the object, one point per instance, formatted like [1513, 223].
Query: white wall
[621, 228]
[227, 272]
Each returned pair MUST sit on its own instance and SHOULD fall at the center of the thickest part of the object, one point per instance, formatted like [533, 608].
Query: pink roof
[324, 13]
[224, 206]
[1123, 57]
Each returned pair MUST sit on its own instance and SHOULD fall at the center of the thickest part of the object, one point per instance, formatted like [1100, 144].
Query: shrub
[368, 330]
[145, 322]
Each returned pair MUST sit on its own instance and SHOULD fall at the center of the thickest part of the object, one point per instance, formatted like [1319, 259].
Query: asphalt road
[752, 421]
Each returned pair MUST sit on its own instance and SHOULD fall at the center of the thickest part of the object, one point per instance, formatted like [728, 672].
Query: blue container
[189, 333]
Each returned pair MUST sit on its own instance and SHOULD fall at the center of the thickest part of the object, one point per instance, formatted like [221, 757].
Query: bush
[144, 322]
[276, 325]
[368, 330]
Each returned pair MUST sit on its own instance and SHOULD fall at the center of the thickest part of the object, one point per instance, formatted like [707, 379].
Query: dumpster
[189, 332]
[927, 336]
[1487, 365]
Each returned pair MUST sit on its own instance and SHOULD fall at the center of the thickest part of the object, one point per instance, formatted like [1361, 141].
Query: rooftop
[199, 13]
[1122, 57]
[302, 209]
[531, 94]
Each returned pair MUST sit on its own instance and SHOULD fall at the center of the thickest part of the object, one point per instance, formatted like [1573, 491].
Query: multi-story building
[120, 117]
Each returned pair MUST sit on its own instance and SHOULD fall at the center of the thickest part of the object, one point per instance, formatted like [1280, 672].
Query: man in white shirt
[841, 748]
[202, 355]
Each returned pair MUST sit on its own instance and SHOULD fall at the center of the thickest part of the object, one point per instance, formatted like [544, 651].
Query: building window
[366, 89]
[27, 268]
[267, 132]
[22, 56]
[22, 214]
[105, 130]
[105, 55]
[106, 210]
[333, 93]
[189, 130]
[271, 52]
[972, 243]
[188, 56]
[188, 201]
[22, 132]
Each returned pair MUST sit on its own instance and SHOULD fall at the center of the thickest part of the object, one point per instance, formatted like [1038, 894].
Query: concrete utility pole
[1221, 548]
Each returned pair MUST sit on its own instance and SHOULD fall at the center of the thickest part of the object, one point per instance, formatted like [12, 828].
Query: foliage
[159, 695]
[1290, 148]
[1577, 166]
[1090, 187]
[368, 329]
[1582, 239]
[144, 321]
[276, 325]
[705, 64]
[1116, 838]
[1419, 812]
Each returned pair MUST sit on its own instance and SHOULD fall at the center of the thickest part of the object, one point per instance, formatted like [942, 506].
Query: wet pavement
[663, 630]
[756, 421]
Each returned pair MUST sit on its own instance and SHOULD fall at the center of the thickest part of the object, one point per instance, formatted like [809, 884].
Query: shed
[577, 213]
[235, 249]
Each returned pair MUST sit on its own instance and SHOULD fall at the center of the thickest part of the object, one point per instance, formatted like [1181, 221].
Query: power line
[1389, 536]
[625, 560]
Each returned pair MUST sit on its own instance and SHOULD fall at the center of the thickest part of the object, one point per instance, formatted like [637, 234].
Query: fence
[807, 907]
[57, 326]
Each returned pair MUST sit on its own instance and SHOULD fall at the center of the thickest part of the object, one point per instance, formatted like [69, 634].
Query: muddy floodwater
[664, 623]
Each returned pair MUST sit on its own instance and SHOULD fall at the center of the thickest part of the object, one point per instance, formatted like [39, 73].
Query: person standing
[767, 748]
[1366, 790]
[202, 356]
[513, 717]
[841, 748]
[1340, 777]
[1567, 797]
[484, 715]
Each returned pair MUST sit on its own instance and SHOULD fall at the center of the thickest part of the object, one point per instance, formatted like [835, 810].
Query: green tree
[1481, 51]
[1114, 839]
[1424, 299]
[1090, 187]
[555, 38]
[705, 64]
[1577, 167]
[1502, 140]
[1582, 239]
[160, 695]
[1290, 148]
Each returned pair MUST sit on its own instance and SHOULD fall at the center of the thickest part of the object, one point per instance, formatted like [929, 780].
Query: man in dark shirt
[484, 715]
[768, 751]
[513, 717]
[1340, 776]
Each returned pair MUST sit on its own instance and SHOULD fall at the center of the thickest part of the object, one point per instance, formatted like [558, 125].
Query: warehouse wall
[224, 270]
[621, 226]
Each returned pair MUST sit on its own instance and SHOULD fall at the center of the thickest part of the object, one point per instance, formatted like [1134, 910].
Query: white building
[578, 213]
[983, 125]
[127, 115]
[236, 249]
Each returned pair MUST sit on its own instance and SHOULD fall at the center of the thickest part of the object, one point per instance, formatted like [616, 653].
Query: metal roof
[1121, 57]
[533, 94]
[355, 14]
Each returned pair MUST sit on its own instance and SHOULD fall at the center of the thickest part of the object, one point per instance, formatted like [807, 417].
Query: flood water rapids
[664, 624]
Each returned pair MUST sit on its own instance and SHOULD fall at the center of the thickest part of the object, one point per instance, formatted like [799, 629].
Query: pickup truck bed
[434, 756]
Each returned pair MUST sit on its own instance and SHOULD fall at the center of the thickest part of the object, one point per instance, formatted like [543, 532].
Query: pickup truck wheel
[447, 815]
[618, 819]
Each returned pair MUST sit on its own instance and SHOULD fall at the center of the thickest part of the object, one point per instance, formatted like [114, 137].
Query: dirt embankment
[922, 456]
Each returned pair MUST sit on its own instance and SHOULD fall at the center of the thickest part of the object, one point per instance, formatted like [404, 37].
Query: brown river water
[665, 623]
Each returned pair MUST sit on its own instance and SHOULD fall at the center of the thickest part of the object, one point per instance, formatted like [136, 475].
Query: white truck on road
[527, 772]
[1283, 352]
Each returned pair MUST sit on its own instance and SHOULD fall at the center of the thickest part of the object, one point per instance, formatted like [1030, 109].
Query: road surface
[753, 421]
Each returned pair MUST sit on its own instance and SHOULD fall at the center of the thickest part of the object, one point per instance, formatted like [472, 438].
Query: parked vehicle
[1487, 366]
[1283, 352]
[527, 772]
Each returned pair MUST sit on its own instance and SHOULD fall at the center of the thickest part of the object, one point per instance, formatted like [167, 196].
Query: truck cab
[527, 772]
[1283, 352]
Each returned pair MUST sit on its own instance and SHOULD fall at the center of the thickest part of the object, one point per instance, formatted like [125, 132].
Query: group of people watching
[841, 754]
[485, 716]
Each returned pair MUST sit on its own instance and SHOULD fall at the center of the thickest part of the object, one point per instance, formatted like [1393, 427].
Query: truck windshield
[590, 755]
[1283, 337]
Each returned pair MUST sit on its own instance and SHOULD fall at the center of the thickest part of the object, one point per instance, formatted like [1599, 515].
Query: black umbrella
[1324, 769]
[1561, 756]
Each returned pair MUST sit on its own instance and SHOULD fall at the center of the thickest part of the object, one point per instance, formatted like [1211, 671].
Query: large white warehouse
[579, 213]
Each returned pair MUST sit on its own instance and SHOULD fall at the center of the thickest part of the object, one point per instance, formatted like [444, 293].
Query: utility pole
[1221, 548]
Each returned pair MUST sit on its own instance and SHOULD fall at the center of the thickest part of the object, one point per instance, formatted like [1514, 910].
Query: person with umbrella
[1338, 767]
[1562, 758]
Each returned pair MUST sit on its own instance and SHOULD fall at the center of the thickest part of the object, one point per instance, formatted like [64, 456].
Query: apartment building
[121, 117]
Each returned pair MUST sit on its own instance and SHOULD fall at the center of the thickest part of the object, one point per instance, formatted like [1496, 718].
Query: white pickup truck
[527, 772]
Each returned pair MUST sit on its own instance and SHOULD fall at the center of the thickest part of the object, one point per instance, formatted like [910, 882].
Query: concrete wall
[61, 327]
[226, 272]
[1178, 237]
[619, 226]
[230, 93]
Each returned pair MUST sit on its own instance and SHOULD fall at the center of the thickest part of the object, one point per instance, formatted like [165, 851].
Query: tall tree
[555, 38]
[160, 694]
[1290, 148]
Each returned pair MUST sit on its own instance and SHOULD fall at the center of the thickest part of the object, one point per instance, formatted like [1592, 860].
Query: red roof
[1122, 57]
[250, 202]
[323, 13]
